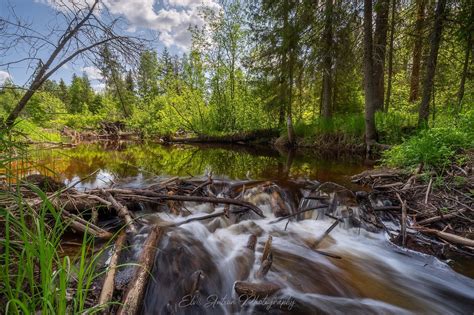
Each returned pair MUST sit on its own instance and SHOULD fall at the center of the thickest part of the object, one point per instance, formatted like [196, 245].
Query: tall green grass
[351, 125]
[436, 147]
[33, 275]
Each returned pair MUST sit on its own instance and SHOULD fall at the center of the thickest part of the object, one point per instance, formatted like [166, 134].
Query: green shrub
[434, 147]
[28, 129]
[393, 127]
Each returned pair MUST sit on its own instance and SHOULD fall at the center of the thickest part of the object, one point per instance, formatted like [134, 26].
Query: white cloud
[92, 73]
[172, 20]
[64, 5]
[98, 87]
[4, 76]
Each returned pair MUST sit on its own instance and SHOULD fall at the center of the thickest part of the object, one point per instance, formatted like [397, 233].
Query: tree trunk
[380, 43]
[464, 73]
[417, 51]
[390, 56]
[428, 83]
[289, 117]
[290, 38]
[370, 132]
[327, 62]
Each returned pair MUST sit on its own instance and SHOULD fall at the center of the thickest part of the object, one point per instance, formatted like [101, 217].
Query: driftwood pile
[429, 206]
[81, 210]
[105, 131]
[421, 203]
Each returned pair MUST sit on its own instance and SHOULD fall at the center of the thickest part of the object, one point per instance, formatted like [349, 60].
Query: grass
[34, 278]
[435, 148]
[352, 125]
[33, 275]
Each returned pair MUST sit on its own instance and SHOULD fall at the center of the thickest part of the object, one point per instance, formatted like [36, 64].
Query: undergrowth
[436, 147]
[34, 277]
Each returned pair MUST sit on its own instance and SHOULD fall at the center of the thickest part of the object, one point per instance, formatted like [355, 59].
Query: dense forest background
[299, 66]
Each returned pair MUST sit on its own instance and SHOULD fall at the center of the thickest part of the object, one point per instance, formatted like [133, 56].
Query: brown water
[371, 277]
[135, 164]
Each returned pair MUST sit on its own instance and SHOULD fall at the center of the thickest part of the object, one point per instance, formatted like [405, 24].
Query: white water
[373, 276]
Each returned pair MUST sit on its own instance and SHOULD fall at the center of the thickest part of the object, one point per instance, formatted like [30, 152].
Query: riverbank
[433, 211]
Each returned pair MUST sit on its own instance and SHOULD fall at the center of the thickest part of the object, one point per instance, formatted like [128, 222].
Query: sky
[169, 19]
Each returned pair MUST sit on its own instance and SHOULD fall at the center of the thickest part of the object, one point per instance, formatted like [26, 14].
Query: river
[365, 273]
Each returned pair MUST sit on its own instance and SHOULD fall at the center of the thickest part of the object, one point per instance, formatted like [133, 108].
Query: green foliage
[80, 94]
[435, 147]
[351, 125]
[395, 126]
[35, 276]
[34, 132]
[246, 65]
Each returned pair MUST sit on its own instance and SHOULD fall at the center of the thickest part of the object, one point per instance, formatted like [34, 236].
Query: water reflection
[137, 162]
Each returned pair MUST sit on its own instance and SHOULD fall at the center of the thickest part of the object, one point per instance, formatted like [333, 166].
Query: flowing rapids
[198, 264]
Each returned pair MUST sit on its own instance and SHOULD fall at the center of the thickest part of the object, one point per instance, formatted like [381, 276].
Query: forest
[298, 67]
[372, 100]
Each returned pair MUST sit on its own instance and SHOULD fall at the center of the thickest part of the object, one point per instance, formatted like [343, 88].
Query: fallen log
[231, 138]
[122, 212]
[214, 200]
[252, 242]
[207, 182]
[387, 208]
[428, 190]
[267, 248]
[79, 224]
[132, 299]
[396, 184]
[448, 237]
[108, 285]
[245, 259]
[403, 221]
[264, 268]
[205, 217]
[441, 217]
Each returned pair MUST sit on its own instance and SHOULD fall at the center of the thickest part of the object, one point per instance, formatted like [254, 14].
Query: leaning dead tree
[81, 30]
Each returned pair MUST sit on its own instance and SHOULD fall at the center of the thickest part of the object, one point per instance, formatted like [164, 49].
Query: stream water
[198, 263]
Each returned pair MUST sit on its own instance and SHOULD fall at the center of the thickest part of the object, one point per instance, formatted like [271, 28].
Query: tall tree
[390, 55]
[327, 96]
[380, 44]
[112, 72]
[63, 93]
[428, 82]
[466, 31]
[148, 74]
[369, 86]
[417, 51]
[88, 92]
[76, 92]
[278, 31]
[288, 61]
[129, 82]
